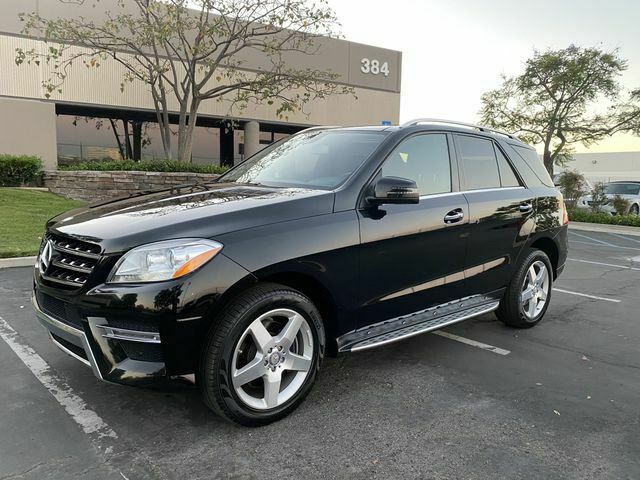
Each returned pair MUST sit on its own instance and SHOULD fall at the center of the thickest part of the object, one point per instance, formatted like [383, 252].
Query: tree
[193, 51]
[554, 102]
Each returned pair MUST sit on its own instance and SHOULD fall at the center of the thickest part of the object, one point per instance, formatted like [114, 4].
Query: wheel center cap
[274, 358]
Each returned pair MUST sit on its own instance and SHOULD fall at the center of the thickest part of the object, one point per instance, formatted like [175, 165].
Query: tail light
[565, 214]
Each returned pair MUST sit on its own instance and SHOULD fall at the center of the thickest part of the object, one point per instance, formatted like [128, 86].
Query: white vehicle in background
[629, 190]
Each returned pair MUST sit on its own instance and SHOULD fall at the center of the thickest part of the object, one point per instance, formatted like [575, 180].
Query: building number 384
[374, 67]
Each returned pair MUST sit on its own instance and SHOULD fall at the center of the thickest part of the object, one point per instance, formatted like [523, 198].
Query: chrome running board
[416, 323]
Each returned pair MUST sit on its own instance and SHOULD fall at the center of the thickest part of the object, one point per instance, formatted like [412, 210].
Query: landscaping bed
[578, 215]
[144, 166]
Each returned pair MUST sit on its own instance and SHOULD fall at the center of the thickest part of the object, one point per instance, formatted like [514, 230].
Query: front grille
[70, 263]
[59, 309]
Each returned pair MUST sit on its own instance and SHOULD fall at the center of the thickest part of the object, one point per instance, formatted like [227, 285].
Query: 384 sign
[372, 66]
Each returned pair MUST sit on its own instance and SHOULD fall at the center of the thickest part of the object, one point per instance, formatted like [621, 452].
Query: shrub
[145, 166]
[572, 185]
[17, 170]
[621, 205]
[598, 196]
[590, 217]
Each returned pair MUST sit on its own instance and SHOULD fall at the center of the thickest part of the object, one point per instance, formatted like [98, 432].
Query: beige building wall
[607, 167]
[28, 127]
[102, 87]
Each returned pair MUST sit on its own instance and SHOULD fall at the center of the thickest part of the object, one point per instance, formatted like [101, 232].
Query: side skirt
[423, 321]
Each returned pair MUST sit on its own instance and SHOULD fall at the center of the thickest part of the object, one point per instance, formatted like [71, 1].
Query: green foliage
[573, 186]
[552, 102]
[24, 213]
[191, 51]
[145, 166]
[17, 170]
[621, 205]
[598, 196]
[590, 217]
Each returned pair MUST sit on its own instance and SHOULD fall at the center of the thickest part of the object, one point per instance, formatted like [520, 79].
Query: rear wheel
[634, 210]
[262, 357]
[527, 297]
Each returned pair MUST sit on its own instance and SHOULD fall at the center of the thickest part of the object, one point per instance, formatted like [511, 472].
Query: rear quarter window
[528, 163]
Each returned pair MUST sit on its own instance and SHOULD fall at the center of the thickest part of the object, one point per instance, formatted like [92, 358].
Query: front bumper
[137, 334]
[100, 347]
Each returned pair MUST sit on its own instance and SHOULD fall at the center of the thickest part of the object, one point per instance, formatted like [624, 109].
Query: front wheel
[262, 356]
[634, 210]
[527, 297]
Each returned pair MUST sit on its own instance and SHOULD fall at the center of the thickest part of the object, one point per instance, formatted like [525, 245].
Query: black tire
[214, 373]
[510, 311]
[634, 210]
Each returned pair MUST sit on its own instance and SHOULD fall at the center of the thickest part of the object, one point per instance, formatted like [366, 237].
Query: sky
[455, 50]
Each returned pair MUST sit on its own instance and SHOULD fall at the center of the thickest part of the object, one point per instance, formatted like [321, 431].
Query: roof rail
[482, 128]
[318, 127]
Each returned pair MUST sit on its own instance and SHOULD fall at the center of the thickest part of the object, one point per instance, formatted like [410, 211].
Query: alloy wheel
[535, 290]
[272, 359]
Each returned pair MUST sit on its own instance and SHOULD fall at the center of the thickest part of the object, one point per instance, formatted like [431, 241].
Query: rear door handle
[454, 216]
[526, 207]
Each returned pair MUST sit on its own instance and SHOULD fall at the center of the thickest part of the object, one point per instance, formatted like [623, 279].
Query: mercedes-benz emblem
[45, 257]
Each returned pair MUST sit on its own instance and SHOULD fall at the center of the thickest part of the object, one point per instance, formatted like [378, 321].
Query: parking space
[478, 401]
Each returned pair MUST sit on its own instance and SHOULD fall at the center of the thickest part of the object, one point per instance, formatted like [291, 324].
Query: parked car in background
[557, 176]
[334, 240]
[629, 190]
[573, 186]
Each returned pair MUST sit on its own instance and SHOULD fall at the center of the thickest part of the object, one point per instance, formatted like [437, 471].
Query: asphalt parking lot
[561, 400]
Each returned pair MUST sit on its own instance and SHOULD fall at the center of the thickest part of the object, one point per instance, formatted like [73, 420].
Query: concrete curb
[17, 262]
[599, 227]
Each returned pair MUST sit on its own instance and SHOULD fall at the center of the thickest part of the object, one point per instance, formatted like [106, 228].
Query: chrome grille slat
[63, 281]
[75, 268]
[77, 252]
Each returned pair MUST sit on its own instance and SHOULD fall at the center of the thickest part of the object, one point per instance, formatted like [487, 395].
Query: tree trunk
[548, 162]
[127, 139]
[114, 127]
[137, 140]
[187, 132]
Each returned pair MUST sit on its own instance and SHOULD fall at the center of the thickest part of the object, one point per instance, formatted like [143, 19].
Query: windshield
[622, 189]
[316, 159]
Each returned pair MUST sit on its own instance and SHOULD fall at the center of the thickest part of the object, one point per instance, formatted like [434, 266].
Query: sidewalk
[600, 227]
[17, 262]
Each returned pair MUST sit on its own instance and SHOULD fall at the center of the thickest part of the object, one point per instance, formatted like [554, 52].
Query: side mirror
[393, 190]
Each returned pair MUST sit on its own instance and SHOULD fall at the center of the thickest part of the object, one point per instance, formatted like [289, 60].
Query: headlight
[164, 260]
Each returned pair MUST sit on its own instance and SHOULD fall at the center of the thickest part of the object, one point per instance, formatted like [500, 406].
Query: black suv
[333, 240]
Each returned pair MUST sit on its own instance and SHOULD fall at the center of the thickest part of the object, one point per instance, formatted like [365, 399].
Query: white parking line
[613, 300]
[473, 343]
[89, 421]
[602, 242]
[624, 238]
[604, 264]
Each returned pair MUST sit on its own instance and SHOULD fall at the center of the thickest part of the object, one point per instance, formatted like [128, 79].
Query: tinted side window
[479, 163]
[534, 163]
[423, 159]
[507, 176]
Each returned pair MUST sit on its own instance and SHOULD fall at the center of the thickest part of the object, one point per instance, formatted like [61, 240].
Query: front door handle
[454, 216]
[526, 207]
